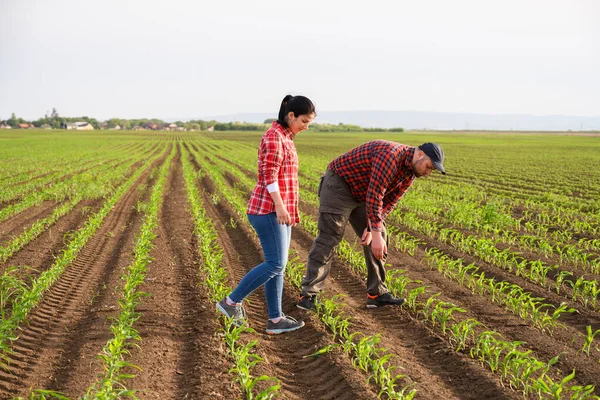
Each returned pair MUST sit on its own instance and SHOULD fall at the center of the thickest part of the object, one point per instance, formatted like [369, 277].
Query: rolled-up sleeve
[272, 157]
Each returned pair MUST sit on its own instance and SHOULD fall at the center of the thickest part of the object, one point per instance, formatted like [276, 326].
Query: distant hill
[437, 120]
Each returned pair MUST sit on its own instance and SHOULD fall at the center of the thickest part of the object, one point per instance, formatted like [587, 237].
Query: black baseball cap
[435, 152]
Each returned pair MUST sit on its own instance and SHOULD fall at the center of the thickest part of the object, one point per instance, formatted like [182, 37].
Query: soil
[182, 354]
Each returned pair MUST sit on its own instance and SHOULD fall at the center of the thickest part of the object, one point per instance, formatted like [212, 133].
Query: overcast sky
[176, 59]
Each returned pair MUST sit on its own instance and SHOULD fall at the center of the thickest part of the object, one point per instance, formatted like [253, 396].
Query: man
[363, 186]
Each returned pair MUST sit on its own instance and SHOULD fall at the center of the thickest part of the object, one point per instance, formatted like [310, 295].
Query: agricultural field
[114, 248]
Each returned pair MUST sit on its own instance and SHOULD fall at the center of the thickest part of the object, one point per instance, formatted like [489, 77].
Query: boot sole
[383, 305]
[236, 322]
[306, 308]
[285, 330]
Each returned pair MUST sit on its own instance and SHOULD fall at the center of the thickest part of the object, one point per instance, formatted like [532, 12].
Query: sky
[188, 59]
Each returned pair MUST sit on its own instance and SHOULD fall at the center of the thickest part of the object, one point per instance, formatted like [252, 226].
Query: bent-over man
[363, 186]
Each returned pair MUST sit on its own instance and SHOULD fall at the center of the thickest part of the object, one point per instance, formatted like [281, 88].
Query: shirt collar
[283, 130]
[408, 158]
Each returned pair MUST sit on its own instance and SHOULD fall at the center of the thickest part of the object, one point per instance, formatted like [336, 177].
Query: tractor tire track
[327, 377]
[60, 326]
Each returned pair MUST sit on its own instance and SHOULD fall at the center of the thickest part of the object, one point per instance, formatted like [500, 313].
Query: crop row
[26, 299]
[111, 384]
[244, 358]
[442, 312]
[101, 185]
[362, 349]
[83, 185]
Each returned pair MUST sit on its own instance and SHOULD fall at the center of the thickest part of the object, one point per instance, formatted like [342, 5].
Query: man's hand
[365, 239]
[378, 245]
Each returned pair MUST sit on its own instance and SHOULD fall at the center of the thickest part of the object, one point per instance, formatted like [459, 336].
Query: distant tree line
[342, 127]
[54, 120]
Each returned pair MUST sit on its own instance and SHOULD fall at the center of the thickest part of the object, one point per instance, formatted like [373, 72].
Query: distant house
[150, 125]
[5, 125]
[211, 128]
[78, 126]
[84, 126]
[116, 128]
[46, 126]
[23, 126]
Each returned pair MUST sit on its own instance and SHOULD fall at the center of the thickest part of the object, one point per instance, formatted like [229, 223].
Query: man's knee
[332, 225]
[322, 249]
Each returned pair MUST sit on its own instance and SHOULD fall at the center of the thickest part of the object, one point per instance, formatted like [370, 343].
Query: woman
[272, 211]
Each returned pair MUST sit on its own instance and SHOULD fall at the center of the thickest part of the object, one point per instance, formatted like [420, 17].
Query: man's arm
[383, 167]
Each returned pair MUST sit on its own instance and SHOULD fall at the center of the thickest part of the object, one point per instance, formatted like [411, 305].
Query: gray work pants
[337, 207]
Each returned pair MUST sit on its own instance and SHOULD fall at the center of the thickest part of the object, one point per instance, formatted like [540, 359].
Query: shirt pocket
[290, 155]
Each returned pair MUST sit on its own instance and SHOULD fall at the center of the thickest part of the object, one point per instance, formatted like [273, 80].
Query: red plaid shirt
[378, 173]
[277, 162]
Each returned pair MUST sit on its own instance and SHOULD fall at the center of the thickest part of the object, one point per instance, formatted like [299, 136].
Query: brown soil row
[493, 316]
[71, 314]
[180, 357]
[328, 377]
[16, 225]
[496, 317]
[499, 319]
[51, 241]
[437, 371]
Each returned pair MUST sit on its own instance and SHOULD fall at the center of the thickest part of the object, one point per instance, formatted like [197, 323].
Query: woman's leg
[274, 286]
[272, 238]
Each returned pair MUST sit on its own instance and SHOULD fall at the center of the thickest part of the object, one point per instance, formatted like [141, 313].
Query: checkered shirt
[378, 173]
[277, 162]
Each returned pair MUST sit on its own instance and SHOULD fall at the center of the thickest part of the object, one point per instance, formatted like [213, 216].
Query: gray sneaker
[238, 313]
[285, 324]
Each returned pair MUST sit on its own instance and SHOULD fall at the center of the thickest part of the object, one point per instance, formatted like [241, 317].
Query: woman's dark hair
[299, 105]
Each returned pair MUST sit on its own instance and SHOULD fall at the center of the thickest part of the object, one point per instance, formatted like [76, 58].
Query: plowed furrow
[308, 378]
[421, 354]
[178, 321]
[58, 327]
[566, 341]
[16, 224]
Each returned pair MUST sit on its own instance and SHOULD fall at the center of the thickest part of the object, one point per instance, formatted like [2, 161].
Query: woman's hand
[283, 216]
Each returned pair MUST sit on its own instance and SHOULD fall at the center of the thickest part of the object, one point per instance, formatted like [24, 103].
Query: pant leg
[331, 231]
[375, 268]
[336, 204]
[274, 286]
[273, 238]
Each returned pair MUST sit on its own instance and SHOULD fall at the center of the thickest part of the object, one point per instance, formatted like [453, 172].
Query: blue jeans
[275, 240]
